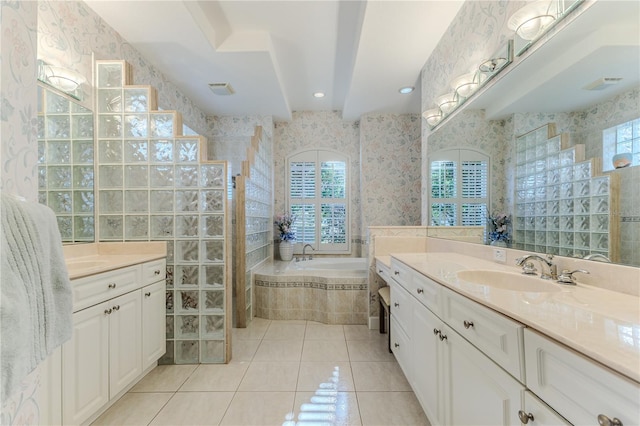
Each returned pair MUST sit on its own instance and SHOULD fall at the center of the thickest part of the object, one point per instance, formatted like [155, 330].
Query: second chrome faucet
[529, 269]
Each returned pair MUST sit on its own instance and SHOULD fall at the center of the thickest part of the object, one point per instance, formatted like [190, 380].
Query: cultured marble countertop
[601, 324]
[88, 259]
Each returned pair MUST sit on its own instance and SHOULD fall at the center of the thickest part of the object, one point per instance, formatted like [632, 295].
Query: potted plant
[287, 235]
[498, 229]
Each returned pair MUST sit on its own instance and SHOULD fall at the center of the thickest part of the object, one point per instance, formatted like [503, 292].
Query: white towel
[35, 291]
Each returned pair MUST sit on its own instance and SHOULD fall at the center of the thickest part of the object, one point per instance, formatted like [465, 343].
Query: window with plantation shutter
[459, 181]
[318, 198]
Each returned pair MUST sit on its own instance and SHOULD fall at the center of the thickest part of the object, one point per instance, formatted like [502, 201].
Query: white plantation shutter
[459, 188]
[318, 197]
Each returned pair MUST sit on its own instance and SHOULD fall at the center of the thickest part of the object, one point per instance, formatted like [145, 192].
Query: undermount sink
[509, 281]
[82, 264]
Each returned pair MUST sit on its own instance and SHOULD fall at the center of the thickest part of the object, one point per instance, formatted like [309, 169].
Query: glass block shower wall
[563, 205]
[65, 164]
[254, 222]
[153, 184]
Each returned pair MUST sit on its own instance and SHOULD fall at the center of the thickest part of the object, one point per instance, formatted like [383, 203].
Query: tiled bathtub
[327, 290]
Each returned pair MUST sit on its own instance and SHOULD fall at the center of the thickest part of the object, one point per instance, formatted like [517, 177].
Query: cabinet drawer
[94, 289]
[383, 270]
[499, 337]
[577, 388]
[401, 348]
[542, 414]
[154, 271]
[402, 274]
[428, 292]
[401, 307]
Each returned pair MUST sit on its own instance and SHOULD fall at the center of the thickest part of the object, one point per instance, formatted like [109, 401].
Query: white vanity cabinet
[579, 389]
[114, 341]
[455, 382]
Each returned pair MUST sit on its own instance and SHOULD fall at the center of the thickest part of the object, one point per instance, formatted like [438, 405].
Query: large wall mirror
[65, 163]
[586, 81]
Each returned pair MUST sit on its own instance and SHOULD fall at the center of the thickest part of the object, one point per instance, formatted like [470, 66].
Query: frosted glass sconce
[63, 79]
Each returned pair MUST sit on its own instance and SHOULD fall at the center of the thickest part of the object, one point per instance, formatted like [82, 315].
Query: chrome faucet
[597, 257]
[303, 252]
[528, 269]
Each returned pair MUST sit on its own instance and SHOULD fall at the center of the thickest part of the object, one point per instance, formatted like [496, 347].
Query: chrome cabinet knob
[436, 331]
[606, 421]
[442, 337]
[468, 324]
[396, 272]
[420, 291]
[156, 272]
[379, 271]
[396, 345]
[107, 311]
[112, 285]
[396, 304]
[525, 417]
[116, 308]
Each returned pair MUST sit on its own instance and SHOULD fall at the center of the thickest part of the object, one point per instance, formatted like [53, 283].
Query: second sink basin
[509, 281]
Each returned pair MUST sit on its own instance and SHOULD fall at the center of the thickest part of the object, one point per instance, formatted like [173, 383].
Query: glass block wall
[254, 229]
[562, 206]
[65, 164]
[153, 184]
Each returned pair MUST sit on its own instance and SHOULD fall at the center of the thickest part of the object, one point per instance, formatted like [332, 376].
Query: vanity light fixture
[466, 85]
[536, 18]
[406, 90]
[63, 79]
[433, 116]
[318, 95]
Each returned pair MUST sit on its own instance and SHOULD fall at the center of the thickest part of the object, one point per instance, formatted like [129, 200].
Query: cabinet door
[401, 307]
[428, 363]
[125, 343]
[401, 347]
[481, 393]
[153, 323]
[85, 365]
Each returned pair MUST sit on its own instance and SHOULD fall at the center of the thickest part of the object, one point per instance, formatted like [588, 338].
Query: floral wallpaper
[230, 136]
[390, 169]
[70, 31]
[19, 131]
[312, 130]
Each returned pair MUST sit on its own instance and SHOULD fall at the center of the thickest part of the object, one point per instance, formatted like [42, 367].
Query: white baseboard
[374, 323]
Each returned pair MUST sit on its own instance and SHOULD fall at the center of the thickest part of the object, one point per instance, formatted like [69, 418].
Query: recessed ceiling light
[318, 95]
[406, 90]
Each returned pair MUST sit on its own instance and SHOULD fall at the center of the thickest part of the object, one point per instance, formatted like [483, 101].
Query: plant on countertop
[283, 223]
[498, 227]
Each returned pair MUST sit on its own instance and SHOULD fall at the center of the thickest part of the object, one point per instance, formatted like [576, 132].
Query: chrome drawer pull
[525, 417]
[468, 324]
[606, 421]
[396, 272]
[396, 304]
[396, 345]
[443, 337]
[107, 311]
[436, 331]
[157, 272]
[147, 294]
[112, 285]
[116, 308]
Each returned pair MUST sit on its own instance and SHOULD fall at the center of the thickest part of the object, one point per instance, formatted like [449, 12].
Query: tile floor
[282, 373]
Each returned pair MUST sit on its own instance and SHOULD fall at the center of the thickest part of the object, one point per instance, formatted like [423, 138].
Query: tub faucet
[303, 251]
[528, 269]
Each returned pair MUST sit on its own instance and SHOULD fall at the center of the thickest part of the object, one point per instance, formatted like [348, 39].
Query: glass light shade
[433, 116]
[447, 103]
[531, 20]
[466, 84]
[63, 79]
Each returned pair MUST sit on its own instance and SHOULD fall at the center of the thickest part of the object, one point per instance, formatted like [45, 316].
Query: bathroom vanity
[118, 328]
[482, 344]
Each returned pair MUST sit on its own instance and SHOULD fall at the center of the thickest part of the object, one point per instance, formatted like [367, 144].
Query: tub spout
[303, 251]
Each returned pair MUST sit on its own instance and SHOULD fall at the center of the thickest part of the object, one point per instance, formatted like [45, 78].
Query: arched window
[318, 188]
[459, 188]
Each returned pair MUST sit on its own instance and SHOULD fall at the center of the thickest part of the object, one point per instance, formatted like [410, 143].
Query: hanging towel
[35, 291]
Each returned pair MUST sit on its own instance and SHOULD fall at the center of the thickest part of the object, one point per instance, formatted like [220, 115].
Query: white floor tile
[270, 376]
[279, 350]
[391, 408]
[134, 409]
[216, 377]
[194, 408]
[259, 408]
[164, 378]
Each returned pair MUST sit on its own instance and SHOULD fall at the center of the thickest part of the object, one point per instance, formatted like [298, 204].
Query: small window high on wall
[621, 145]
[318, 197]
[459, 188]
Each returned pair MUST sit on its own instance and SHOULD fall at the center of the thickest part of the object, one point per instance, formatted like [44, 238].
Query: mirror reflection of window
[621, 144]
[459, 193]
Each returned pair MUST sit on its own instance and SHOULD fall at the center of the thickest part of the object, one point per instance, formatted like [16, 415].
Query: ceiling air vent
[222, 89]
[602, 83]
